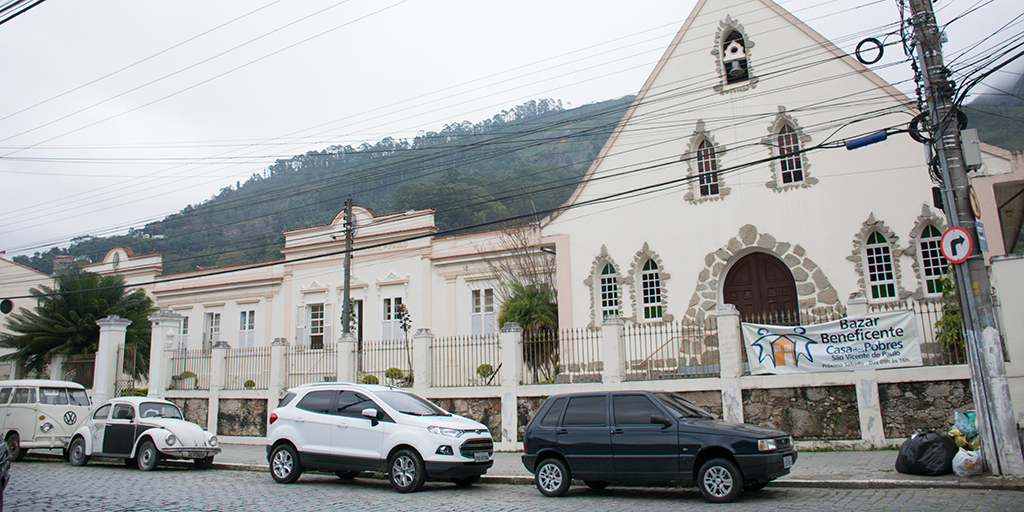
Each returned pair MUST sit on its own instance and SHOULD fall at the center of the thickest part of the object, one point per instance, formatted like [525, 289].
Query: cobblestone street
[51, 486]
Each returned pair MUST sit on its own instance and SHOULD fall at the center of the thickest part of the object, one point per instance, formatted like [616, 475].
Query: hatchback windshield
[158, 410]
[409, 403]
[682, 406]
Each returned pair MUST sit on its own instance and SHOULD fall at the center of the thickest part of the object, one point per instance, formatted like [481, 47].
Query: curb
[978, 483]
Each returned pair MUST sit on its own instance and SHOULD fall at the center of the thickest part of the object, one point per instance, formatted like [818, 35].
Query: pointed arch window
[933, 265]
[650, 287]
[881, 273]
[734, 58]
[790, 160]
[609, 291]
[707, 169]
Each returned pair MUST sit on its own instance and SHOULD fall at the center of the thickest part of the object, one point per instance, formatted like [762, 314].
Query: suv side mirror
[657, 418]
[373, 414]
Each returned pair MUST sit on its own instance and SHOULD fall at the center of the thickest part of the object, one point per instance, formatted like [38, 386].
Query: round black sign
[70, 418]
[6, 306]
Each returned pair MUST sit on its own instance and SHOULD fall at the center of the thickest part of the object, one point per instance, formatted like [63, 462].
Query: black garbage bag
[926, 453]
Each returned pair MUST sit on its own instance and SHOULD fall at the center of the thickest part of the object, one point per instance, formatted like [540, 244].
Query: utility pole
[350, 230]
[991, 393]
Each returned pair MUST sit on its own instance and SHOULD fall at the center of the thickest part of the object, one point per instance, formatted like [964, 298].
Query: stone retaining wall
[242, 417]
[819, 413]
[911, 406]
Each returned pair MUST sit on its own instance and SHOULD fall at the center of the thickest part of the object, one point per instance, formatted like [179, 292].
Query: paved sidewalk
[838, 469]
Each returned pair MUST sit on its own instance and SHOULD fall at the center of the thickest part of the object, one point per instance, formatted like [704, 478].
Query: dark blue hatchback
[644, 436]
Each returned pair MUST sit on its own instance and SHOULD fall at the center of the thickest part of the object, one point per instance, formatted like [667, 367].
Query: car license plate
[194, 455]
[787, 461]
[481, 457]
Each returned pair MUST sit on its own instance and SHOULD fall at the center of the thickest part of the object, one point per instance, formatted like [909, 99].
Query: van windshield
[53, 396]
[78, 397]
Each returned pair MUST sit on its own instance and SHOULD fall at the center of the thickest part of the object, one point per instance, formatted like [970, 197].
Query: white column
[510, 340]
[57, 366]
[112, 335]
[422, 369]
[614, 351]
[857, 304]
[347, 348]
[730, 343]
[164, 329]
[218, 376]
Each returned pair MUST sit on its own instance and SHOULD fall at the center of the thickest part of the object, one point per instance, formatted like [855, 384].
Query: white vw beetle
[143, 429]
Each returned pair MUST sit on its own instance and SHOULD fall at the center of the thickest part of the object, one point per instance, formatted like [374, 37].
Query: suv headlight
[765, 445]
[445, 431]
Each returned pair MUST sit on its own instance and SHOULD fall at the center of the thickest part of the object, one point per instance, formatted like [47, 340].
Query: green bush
[394, 373]
[370, 379]
[485, 370]
[249, 384]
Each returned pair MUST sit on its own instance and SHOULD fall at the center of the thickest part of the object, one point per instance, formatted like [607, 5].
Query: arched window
[609, 292]
[790, 160]
[707, 169]
[650, 287]
[933, 265]
[881, 275]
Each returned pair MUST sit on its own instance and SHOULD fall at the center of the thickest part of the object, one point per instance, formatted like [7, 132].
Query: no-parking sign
[956, 244]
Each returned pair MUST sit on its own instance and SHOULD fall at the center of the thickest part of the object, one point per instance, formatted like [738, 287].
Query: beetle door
[119, 432]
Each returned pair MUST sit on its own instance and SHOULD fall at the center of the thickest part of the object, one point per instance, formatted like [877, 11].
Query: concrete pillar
[347, 348]
[730, 357]
[57, 366]
[510, 341]
[869, 407]
[422, 366]
[613, 350]
[278, 374]
[112, 335]
[165, 326]
[167, 372]
[218, 376]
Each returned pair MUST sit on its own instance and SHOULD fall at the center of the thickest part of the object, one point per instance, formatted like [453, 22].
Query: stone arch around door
[813, 289]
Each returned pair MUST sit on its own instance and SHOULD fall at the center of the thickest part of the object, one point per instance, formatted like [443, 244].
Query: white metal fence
[465, 361]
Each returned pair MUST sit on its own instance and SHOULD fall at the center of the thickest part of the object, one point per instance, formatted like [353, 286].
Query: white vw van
[37, 413]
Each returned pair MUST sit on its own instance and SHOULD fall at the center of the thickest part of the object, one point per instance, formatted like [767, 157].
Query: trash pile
[934, 453]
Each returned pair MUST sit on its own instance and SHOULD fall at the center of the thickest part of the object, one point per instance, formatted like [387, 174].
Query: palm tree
[64, 321]
[534, 308]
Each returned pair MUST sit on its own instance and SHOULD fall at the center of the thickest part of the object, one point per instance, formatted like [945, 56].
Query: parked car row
[627, 437]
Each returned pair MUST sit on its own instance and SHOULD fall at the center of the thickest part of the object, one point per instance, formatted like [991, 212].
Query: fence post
[730, 343]
[510, 341]
[347, 358]
[218, 376]
[614, 350]
[164, 326]
[857, 304]
[278, 372]
[57, 366]
[422, 372]
[112, 334]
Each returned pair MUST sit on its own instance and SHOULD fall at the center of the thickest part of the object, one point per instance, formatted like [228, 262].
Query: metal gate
[124, 384]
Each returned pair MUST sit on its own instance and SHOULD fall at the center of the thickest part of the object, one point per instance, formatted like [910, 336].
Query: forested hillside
[524, 160]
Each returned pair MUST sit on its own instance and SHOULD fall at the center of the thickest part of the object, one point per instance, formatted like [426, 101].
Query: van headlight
[46, 427]
[170, 439]
[445, 431]
[765, 445]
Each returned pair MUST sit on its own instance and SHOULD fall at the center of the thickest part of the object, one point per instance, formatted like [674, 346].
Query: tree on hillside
[64, 320]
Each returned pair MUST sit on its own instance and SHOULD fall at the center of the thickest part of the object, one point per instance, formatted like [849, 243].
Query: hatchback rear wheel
[552, 478]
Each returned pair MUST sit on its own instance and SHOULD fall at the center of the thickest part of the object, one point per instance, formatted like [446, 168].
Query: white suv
[350, 428]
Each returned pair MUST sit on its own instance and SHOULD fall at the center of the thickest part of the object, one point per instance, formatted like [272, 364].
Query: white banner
[879, 340]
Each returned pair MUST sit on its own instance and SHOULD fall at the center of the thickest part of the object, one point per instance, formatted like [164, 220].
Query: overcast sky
[118, 112]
